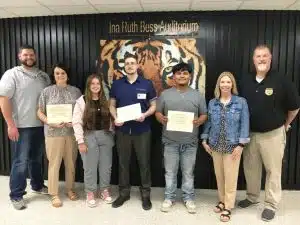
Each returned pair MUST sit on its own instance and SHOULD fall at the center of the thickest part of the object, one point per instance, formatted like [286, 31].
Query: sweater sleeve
[77, 120]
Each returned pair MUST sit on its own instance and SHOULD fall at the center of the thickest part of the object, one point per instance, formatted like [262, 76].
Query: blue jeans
[27, 153]
[186, 155]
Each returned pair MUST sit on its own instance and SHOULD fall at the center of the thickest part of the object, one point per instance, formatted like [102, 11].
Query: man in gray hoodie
[20, 88]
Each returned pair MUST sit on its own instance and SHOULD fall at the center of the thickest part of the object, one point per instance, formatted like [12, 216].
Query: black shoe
[268, 215]
[120, 201]
[246, 203]
[146, 203]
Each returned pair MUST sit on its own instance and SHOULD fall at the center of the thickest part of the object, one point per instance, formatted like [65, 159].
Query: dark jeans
[27, 153]
[141, 144]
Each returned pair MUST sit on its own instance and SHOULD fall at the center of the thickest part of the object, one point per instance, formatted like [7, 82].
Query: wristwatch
[241, 145]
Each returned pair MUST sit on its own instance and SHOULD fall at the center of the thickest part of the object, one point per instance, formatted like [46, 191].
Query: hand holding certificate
[60, 113]
[129, 112]
[180, 121]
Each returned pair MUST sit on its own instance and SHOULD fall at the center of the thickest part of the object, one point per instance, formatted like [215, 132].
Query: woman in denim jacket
[225, 134]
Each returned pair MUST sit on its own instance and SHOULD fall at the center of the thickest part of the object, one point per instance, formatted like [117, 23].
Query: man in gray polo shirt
[20, 88]
[180, 146]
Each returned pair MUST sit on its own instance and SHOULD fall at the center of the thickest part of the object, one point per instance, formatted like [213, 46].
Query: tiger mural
[155, 58]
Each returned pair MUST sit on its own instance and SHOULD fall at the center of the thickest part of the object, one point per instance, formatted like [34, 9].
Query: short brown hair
[62, 66]
[129, 55]
[26, 46]
[262, 46]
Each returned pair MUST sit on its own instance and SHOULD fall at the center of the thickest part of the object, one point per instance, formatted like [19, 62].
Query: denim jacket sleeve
[207, 125]
[244, 127]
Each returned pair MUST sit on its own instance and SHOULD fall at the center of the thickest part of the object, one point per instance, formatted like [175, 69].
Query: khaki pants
[226, 170]
[265, 148]
[58, 148]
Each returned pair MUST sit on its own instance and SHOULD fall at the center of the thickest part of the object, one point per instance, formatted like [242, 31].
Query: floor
[40, 211]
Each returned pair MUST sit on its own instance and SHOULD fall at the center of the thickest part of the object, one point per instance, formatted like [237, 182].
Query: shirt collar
[267, 77]
[138, 79]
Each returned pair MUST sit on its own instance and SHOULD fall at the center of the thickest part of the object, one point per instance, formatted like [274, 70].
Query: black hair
[181, 67]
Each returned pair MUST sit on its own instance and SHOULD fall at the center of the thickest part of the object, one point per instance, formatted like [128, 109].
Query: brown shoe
[72, 195]
[225, 215]
[219, 207]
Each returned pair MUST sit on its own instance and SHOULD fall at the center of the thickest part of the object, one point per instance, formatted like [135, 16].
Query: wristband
[241, 145]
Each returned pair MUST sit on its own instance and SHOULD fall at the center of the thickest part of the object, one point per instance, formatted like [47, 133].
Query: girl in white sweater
[93, 133]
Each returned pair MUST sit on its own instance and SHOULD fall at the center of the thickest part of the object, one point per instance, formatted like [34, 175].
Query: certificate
[59, 113]
[129, 112]
[180, 121]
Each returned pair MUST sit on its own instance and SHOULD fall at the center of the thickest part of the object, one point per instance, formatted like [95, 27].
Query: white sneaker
[191, 206]
[90, 200]
[42, 191]
[166, 205]
[19, 204]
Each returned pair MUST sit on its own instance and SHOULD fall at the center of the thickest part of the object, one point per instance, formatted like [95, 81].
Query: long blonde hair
[234, 87]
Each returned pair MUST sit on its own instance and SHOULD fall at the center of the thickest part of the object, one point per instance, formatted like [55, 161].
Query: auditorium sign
[165, 28]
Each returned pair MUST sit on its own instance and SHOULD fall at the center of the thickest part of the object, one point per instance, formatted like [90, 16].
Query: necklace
[97, 104]
[225, 102]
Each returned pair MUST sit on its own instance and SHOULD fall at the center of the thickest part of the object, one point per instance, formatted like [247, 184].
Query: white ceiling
[25, 8]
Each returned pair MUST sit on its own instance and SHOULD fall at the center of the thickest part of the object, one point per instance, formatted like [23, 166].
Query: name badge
[269, 91]
[141, 96]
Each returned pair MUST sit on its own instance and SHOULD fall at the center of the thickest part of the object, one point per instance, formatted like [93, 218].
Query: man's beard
[24, 62]
[262, 67]
[131, 73]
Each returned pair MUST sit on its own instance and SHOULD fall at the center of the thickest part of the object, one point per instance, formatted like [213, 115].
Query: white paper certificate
[129, 112]
[180, 121]
[59, 113]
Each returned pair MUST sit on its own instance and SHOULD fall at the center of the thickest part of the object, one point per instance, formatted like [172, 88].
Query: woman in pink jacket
[92, 123]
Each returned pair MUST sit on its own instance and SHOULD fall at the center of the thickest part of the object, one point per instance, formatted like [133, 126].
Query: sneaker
[267, 215]
[166, 205]
[106, 197]
[191, 206]
[90, 200]
[246, 203]
[42, 191]
[19, 204]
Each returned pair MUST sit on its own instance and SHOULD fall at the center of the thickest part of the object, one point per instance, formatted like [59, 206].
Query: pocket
[282, 139]
[110, 137]
[235, 114]
[192, 145]
[269, 99]
[170, 146]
